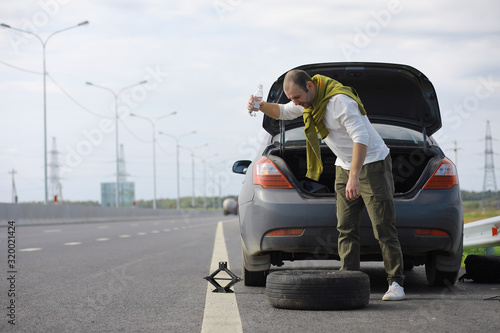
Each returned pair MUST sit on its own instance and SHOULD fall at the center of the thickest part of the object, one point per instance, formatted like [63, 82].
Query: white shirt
[346, 125]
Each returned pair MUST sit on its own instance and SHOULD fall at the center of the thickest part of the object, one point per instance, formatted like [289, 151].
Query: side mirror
[241, 166]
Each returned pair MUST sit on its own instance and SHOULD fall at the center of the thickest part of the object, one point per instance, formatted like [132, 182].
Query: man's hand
[352, 190]
[251, 102]
[271, 109]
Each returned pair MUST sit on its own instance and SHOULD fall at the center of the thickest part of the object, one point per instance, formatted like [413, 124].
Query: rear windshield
[392, 135]
[399, 135]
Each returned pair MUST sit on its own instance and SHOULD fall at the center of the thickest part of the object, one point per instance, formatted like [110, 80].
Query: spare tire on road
[318, 289]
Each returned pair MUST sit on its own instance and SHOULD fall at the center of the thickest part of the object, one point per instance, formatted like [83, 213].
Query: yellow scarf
[313, 119]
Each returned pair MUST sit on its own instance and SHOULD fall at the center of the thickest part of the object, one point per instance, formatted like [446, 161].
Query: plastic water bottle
[257, 97]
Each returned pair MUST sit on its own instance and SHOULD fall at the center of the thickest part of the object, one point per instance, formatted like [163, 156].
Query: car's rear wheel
[254, 279]
[318, 289]
[255, 268]
[435, 277]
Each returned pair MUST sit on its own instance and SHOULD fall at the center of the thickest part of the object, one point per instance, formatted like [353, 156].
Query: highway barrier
[482, 234]
[39, 214]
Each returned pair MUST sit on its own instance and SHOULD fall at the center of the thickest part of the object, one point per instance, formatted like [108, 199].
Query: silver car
[285, 216]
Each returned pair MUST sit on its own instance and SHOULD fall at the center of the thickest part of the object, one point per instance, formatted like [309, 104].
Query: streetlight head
[83, 23]
[175, 112]
[5, 25]
[89, 83]
[132, 114]
[143, 82]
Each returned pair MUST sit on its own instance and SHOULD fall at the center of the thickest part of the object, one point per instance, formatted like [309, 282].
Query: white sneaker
[394, 293]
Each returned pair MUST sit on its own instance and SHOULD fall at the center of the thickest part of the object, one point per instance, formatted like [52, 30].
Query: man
[363, 165]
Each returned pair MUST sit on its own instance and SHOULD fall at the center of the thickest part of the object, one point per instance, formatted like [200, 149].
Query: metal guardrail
[39, 214]
[484, 233]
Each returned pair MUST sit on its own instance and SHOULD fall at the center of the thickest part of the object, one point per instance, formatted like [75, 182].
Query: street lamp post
[153, 124]
[204, 161]
[44, 43]
[192, 171]
[116, 95]
[177, 159]
[217, 185]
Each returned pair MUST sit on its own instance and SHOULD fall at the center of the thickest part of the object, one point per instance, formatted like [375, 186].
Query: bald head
[299, 88]
[297, 77]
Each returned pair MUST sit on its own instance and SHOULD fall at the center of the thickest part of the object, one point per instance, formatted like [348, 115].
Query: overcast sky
[202, 59]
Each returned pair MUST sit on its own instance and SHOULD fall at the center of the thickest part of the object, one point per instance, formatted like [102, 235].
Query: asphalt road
[147, 276]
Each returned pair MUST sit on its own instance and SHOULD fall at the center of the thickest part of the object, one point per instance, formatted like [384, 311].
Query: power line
[20, 69]
[132, 133]
[75, 101]
[58, 86]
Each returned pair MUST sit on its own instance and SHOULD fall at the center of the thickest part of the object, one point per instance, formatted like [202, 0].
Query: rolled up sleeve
[290, 111]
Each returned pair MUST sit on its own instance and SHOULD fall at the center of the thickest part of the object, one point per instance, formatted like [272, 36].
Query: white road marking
[52, 230]
[221, 310]
[31, 249]
[103, 227]
[166, 230]
[155, 232]
[72, 243]
[102, 239]
[124, 236]
[141, 233]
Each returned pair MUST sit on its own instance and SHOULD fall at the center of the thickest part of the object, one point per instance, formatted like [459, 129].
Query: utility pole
[455, 153]
[14, 191]
[489, 182]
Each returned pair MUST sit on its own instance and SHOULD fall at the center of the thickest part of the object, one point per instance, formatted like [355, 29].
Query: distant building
[126, 195]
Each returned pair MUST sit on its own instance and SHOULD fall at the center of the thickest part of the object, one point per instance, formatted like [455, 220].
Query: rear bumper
[283, 209]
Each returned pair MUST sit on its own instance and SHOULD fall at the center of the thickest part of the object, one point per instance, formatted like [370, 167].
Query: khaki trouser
[377, 188]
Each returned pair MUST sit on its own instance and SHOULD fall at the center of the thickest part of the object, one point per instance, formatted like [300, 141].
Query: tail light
[285, 232]
[445, 177]
[267, 175]
[430, 232]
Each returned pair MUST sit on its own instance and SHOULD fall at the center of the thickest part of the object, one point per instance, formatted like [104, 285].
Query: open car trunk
[409, 168]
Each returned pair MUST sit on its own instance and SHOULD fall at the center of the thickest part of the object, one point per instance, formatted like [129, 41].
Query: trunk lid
[391, 93]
